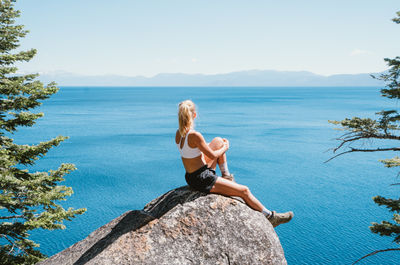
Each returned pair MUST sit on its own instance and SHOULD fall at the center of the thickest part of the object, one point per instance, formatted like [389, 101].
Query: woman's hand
[226, 143]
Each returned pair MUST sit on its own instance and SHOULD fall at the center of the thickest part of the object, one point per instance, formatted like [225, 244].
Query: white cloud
[194, 60]
[357, 52]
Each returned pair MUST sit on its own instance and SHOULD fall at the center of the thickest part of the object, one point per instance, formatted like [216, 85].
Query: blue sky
[130, 37]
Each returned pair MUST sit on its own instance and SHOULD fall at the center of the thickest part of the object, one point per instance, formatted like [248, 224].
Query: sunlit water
[122, 142]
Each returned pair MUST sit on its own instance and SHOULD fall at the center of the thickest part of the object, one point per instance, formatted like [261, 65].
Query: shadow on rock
[134, 220]
[130, 222]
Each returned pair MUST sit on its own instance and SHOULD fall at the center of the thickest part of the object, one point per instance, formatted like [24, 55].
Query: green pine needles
[27, 200]
[385, 128]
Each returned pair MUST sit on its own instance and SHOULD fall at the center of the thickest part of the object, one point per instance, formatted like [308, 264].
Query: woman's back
[185, 150]
[191, 155]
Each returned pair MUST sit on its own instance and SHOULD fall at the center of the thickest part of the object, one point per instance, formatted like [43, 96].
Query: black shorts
[202, 179]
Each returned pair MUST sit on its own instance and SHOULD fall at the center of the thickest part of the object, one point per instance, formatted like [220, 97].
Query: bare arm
[205, 149]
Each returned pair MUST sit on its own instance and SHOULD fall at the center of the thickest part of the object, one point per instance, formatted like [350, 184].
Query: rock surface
[180, 227]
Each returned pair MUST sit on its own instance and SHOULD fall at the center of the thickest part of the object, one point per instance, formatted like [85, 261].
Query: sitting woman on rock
[200, 161]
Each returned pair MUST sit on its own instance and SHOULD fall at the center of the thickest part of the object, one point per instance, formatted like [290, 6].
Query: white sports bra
[187, 151]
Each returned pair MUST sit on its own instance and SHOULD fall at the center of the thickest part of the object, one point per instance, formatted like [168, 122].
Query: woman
[200, 161]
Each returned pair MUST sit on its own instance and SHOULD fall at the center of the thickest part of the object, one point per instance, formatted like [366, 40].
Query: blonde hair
[185, 115]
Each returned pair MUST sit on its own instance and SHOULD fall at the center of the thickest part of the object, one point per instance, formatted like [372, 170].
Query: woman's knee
[216, 143]
[245, 191]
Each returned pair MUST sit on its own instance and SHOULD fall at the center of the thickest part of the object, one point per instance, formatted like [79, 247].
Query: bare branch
[11, 216]
[364, 150]
[387, 136]
[346, 141]
[375, 150]
[367, 135]
[376, 252]
[11, 242]
[337, 156]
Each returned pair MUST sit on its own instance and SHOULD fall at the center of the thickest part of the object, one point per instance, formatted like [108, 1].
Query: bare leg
[215, 144]
[221, 159]
[229, 188]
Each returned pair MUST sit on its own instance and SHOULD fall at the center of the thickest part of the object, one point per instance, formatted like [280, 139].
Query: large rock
[180, 227]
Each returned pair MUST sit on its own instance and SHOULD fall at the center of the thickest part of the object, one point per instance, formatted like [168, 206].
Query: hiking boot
[229, 177]
[280, 218]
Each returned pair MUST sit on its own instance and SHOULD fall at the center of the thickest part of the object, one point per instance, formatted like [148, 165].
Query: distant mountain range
[242, 78]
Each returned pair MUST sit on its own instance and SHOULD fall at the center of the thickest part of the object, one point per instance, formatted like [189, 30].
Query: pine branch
[397, 19]
[376, 252]
[27, 154]
[392, 204]
[360, 129]
[9, 59]
[21, 119]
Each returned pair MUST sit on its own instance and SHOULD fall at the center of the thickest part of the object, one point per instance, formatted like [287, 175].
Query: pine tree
[27, 200]
[386, 127]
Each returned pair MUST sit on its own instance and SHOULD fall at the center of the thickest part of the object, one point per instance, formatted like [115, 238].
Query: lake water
[122, 142]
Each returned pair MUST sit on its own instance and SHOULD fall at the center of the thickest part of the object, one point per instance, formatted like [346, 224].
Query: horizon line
[55, 72]
[225, 86]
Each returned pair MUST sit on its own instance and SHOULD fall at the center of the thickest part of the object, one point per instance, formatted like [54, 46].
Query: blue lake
[122, 142]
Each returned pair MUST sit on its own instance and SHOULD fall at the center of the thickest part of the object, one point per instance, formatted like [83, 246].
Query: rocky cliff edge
[180, 227]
